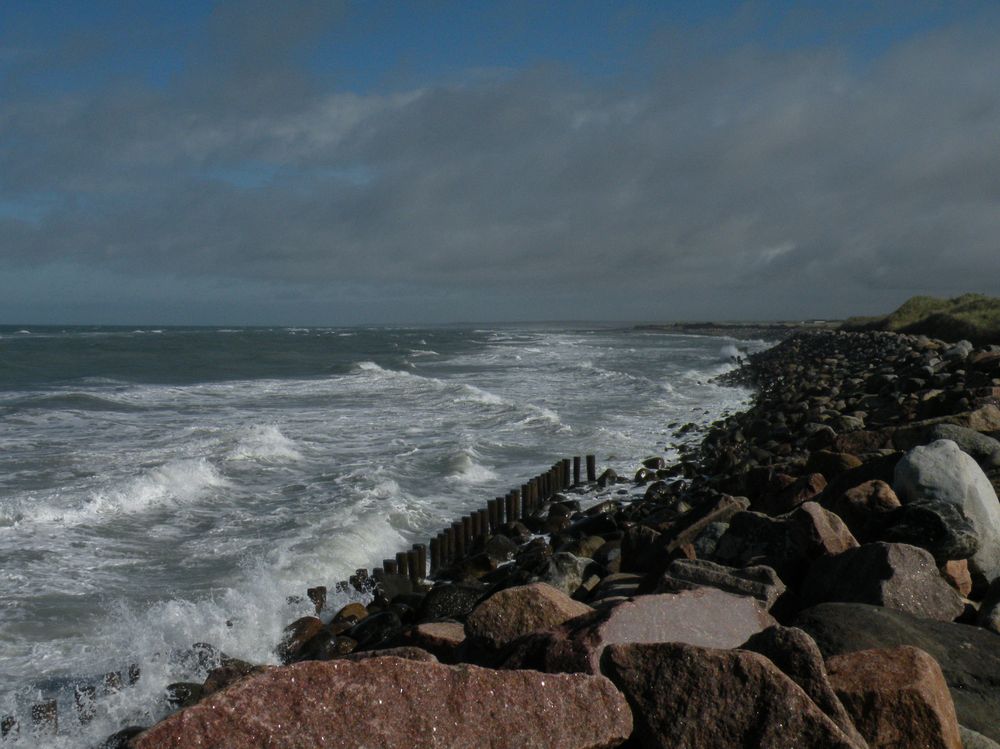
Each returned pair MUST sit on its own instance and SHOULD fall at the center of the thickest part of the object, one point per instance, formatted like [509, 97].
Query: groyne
[822, 569]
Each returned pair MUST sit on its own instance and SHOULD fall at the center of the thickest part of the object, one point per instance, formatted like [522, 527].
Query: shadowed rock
[692, 697]
[799, 658]
[897, 576]
[969, 656]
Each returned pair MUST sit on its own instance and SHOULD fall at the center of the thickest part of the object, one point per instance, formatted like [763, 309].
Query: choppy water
[160, 487]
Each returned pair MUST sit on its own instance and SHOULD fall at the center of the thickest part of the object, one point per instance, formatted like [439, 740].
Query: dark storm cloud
[776, 180]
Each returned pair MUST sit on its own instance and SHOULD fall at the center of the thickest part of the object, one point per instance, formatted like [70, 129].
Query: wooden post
[318, 596]
[567, 477]
[467, 532]
[421, 550]
[515, 496]
[435, 554]
[477, 527]
[402, 563]
[508, 503]
[459, 539]
[525, 500]
[447, 547]
[591, 468]
[45, 717]
[413, 566]
[484, 522]
[390, 567]
[493, 507]
[85, 697]
[576, 470]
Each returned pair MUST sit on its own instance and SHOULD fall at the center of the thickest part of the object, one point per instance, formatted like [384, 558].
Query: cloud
[758, 182]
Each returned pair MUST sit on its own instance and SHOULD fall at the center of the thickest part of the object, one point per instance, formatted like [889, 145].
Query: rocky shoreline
[823, 570]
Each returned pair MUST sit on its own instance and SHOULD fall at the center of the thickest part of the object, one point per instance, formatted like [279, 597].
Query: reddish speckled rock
[701, 698]
[705, 616]
[897, 698]
[393, 703]
[515, 612]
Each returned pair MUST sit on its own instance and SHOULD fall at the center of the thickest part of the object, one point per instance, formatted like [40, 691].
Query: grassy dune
[975, 317]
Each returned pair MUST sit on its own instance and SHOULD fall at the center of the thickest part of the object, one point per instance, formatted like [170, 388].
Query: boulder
[897, 576]
[941, 472]
[758, 581]
[514, 612]
[705, 617]
[939, 527]
[407, 652]
[980, 447]
[396, 703]
[442, 639]
[975, 740]
[699, 698]
[800, 490]
[799, 658]
[896, 697]
[295, 637]
[864, 507]
[831, 464]
[786, 543]
[450, 601]
[969, 656]
[564, 571]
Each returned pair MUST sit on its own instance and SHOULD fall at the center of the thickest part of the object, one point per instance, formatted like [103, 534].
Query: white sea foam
[176, 482]
[265, 443]
[464, 468]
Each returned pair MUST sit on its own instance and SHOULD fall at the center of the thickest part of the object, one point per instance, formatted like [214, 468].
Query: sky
[367, 162]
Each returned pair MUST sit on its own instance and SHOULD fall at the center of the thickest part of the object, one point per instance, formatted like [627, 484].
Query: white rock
[941, 472]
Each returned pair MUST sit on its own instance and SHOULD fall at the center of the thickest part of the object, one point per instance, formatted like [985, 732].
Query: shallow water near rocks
[161, 487]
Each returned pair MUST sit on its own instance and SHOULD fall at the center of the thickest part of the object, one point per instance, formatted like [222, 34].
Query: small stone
[956, 573]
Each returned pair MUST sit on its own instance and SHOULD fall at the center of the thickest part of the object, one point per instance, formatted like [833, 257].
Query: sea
[161, 487]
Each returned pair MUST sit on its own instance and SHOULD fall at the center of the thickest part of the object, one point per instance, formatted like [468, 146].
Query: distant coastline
[742, 330]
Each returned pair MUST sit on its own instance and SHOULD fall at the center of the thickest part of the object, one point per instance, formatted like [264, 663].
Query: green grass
[972, 316]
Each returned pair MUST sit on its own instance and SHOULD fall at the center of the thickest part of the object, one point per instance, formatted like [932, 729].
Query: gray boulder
[941, 472]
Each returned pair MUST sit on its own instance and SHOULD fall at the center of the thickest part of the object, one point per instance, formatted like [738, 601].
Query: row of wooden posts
[45, 714]
[448, 546]
[454, 541]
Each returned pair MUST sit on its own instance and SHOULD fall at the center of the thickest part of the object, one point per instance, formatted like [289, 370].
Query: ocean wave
[69, 402]
[177, 482]
[265, 444]
[464, 468]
